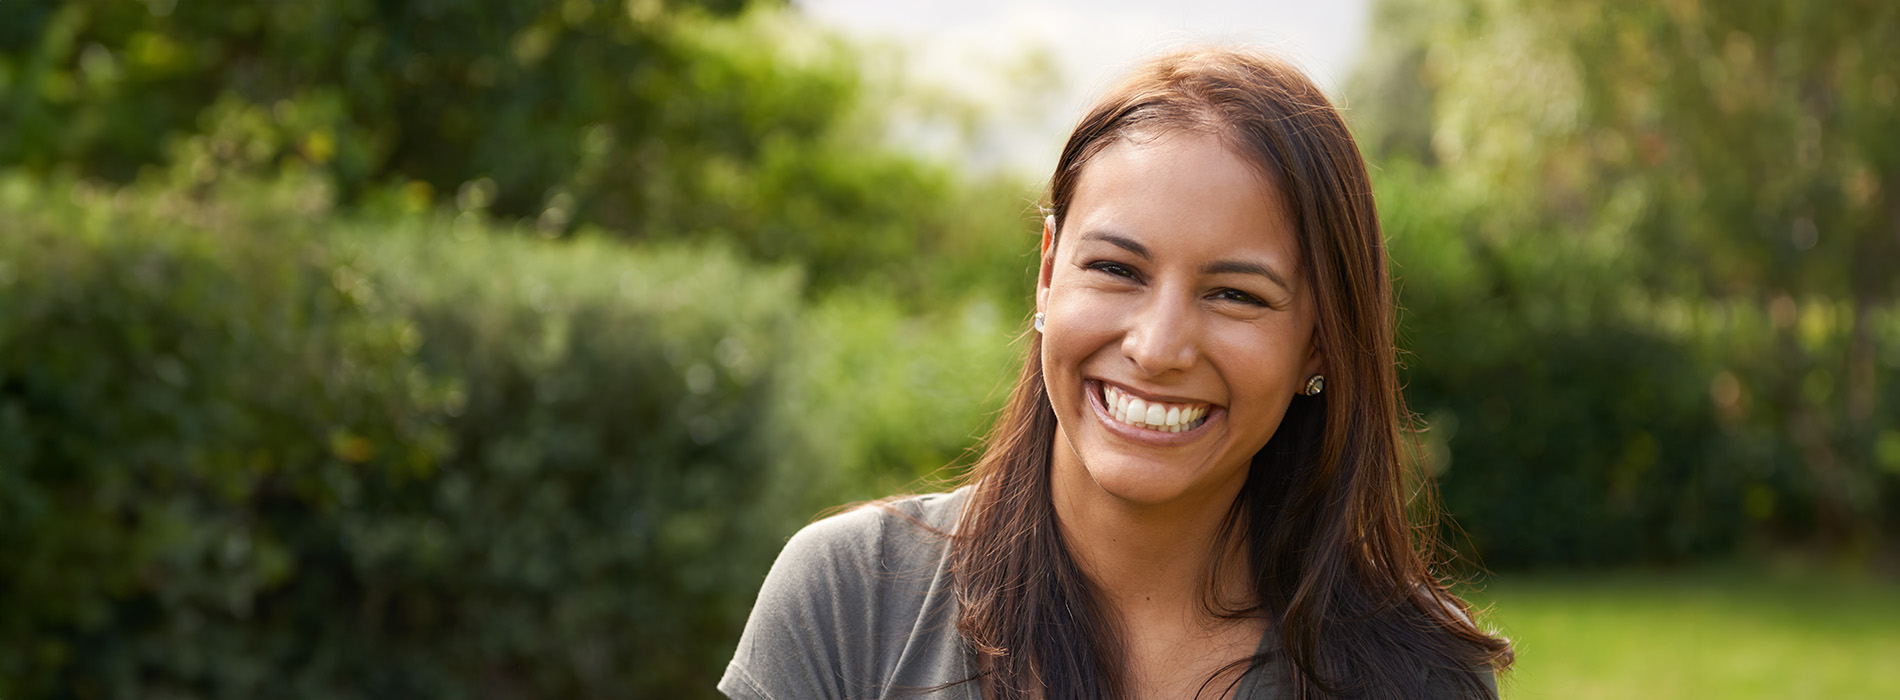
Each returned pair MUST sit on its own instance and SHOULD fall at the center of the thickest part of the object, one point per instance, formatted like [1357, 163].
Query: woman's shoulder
[881, 535]
[932, 512]
[857, 603]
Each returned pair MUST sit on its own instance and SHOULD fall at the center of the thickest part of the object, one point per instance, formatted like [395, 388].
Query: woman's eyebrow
[1214, 268]
[1246, 268]
[1121, 241]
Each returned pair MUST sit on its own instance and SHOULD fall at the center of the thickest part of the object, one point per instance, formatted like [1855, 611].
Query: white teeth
[1157, 416]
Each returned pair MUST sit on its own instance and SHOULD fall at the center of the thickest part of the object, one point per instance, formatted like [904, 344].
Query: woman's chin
[1134, 481]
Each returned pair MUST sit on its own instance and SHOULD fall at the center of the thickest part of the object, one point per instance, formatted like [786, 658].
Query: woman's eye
[1116, 269]
[1239, 296]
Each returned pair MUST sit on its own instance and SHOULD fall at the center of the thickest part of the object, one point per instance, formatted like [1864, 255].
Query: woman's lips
[1187, 428]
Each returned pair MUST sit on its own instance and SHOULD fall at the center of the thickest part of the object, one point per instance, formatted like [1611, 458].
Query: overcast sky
[967, 45]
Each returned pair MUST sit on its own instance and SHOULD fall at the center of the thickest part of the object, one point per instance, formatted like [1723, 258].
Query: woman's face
[1179, 323]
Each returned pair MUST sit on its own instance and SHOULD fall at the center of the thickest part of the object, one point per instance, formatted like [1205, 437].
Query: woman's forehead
[1181, 191]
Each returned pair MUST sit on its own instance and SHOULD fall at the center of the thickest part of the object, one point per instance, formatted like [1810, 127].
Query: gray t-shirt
[861, 605]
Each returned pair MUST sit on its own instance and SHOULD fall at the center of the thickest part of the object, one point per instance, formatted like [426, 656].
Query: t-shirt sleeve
[810, 613]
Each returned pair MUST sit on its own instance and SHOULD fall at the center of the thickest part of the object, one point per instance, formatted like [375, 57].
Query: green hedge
[249, 448]
[616, 479]
[1564, 426]
[1575, 419]
[190, 419]
[246, 457]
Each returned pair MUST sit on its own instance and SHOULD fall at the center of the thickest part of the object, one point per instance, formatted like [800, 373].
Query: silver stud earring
[1040, 321]
[1315, 384]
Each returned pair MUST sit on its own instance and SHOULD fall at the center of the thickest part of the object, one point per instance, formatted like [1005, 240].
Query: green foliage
[325, 463]
[190, 415]
[616, 453]
[101, 85]
[1565, 426]
[1662, 235]
[390, 456]
[897, 397]
[454, 442]
[649, 119]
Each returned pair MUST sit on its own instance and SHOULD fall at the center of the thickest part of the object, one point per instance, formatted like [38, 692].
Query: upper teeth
[1153, 415]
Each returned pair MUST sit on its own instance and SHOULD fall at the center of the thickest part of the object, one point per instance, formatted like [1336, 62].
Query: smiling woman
[1195, 490]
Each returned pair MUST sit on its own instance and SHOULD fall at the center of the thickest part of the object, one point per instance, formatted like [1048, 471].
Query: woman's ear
[1047, 266]
[1315, 360]
[1048, 233]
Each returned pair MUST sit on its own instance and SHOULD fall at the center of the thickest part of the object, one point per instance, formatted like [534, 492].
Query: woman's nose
[1160, 337]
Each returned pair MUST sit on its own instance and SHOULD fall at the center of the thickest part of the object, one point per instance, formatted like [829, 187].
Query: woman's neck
[1149, 565]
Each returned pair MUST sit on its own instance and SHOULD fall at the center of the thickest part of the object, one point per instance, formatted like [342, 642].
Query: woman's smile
[1148, 419]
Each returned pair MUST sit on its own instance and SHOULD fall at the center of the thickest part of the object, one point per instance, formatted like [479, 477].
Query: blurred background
[491, 349]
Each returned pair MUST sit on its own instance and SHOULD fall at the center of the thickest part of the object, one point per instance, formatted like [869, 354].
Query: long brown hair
[1337, 568]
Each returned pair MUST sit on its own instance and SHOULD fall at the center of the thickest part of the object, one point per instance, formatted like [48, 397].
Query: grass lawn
[1700, 633]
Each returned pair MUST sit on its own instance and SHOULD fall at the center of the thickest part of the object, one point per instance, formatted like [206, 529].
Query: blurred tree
[437, 91]
[652, 118]
[1772, 131]
[1735, 160]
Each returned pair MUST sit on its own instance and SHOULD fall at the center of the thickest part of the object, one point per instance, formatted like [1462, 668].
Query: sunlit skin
[1176, 277]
